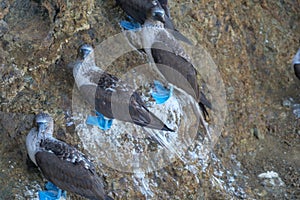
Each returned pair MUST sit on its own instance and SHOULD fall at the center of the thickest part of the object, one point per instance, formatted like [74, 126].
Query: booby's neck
[85, 71]
[85, 65]
[151, 30]
[151, 23]
[32, 144]
[33, 141]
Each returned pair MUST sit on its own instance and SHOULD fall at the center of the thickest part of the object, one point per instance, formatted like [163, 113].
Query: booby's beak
[158, 14]
[42, 127]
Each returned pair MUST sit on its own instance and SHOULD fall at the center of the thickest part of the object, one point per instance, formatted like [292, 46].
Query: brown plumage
[62, 164]
[178, 68]
[111, 96]
[140, 9]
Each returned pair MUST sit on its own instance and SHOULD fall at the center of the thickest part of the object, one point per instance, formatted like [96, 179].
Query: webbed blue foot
[99, 120]
[160, 93]
[52, 192]
[130, 25]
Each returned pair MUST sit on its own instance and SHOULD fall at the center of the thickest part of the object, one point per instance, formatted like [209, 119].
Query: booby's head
[45, 124]
[158, 14]
[84, 51]
[155, 18]
[155, 14]
[85, 62]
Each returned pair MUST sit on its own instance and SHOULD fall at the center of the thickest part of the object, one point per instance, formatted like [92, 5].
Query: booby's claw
[130, 25]
[100, 121]
[52, 193]
[160, 93]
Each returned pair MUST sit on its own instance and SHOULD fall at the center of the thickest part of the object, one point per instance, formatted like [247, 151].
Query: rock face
[252, 43]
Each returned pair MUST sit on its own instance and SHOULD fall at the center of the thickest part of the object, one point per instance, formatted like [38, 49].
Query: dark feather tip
[165, 128]
[297, 70]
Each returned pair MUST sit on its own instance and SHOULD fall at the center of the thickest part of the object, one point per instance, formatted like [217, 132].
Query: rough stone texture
[252, 43]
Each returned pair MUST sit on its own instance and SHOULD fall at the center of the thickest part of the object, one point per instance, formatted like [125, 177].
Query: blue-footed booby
[171, 60]
[110, 96]
[139, 9]
[296, 64]
[62, 164]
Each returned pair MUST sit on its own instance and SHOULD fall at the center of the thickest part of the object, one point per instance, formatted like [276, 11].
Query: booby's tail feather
[204, 103]
[297, 70]
[296, 64]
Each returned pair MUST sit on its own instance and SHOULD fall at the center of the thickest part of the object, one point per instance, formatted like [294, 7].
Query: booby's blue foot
[52, 192]
[130, 25]
[160, 93]
[100, 121]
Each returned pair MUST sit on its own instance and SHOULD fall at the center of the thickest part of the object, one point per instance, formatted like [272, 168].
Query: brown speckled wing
[178, 71]
[115, 99]
[69, 176]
